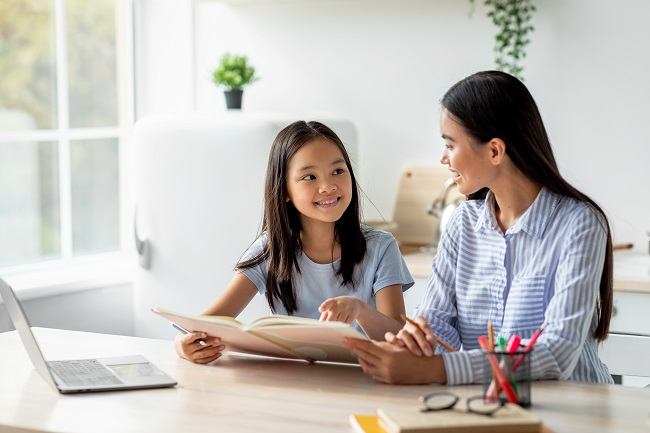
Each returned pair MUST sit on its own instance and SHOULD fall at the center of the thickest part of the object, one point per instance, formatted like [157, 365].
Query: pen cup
[511, 384]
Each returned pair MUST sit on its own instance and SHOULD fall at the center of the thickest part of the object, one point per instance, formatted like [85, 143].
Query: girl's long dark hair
[282, 222]
[493, 104]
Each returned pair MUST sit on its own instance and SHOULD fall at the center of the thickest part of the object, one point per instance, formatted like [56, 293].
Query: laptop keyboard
[83, 372]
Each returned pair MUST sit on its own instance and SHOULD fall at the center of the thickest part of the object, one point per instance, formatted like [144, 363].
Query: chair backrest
[419, 186]
[626, 355]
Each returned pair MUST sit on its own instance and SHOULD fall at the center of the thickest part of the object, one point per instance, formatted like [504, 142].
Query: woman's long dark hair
[282, 221]
[493, 104]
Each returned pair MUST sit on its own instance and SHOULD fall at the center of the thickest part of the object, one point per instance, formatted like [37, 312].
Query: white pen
[185, 331]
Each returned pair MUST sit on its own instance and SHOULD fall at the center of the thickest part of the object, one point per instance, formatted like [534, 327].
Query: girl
[525, 249]
[313, 258]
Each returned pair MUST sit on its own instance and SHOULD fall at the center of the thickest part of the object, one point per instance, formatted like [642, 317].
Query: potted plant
[233, 73]
[513, 21]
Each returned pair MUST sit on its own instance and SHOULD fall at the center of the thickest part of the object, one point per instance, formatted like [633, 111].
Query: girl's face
[319, 182]
[468, 162]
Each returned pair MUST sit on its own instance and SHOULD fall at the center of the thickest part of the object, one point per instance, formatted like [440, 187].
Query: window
[65, 106]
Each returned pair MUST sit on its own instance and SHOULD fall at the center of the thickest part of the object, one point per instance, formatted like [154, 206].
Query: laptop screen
[21, 323]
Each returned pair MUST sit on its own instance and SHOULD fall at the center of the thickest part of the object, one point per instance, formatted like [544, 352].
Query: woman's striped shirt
[546, 268]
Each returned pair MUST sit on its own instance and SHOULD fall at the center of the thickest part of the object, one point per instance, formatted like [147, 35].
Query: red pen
[529, 346]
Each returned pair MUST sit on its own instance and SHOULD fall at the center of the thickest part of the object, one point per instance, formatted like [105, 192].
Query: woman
[526, 249]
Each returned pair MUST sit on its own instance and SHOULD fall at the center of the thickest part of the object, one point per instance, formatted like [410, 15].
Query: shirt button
[499, 306]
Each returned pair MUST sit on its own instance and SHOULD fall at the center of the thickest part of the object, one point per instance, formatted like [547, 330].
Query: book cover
[509, 419]
[279, 336]
[366, 424]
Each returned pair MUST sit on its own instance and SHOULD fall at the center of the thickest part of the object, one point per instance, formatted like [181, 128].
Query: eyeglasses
[446, 400]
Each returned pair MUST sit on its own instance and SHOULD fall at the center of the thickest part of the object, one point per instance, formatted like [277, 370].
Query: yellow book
[509, 419]
[278, 336]
[366, 424]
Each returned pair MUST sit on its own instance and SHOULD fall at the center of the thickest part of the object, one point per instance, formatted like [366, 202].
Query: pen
[529, 346]
[185, 331]
[447, 346]
[513, 344]
[502, 343]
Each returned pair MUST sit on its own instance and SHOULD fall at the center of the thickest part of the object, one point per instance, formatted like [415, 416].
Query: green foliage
[28, 61]
[234, 72]
[27, 70]
[512, 19]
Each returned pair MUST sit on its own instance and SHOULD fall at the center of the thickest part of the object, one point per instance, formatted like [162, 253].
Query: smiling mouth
[330, 202]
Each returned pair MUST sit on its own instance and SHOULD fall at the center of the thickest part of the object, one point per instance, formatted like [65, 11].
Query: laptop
[83, 375]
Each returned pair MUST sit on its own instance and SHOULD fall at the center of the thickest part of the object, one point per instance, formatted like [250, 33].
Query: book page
[278, 319]
[231, 333]
[322, 341]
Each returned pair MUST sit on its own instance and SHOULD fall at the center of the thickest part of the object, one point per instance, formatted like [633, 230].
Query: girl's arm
[200, 348]
[388, 315]
[375, 323]
[237, 295]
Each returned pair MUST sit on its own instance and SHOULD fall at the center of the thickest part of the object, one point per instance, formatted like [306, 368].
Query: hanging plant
[513, 21]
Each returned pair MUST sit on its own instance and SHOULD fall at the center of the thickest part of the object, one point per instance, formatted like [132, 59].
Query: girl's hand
[418, 339]
[341, 309]
[189, 347]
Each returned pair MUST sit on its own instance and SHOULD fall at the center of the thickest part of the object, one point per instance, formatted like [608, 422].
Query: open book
[279, 336]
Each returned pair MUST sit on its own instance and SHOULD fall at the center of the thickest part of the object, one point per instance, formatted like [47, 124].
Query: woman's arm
[388, 363]
[571, 310]
[438, 308]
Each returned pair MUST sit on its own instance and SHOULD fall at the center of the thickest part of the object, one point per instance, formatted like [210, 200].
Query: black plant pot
[233, 98]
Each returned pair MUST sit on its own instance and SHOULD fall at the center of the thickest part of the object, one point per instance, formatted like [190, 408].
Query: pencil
[490, 329]
[447, 346]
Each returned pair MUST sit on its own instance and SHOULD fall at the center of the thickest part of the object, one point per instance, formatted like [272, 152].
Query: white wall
[385, 65]
[163, 56]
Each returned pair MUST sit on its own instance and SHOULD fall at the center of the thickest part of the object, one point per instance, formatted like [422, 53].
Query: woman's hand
[389, 363]
[417, 339]
[189, 347]
[341, 309]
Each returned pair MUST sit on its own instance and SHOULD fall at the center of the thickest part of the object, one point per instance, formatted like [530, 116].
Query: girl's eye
[448, 146]
[339, 171]
[309, 177]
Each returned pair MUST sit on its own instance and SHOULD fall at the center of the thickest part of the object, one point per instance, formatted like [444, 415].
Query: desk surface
[254, 395]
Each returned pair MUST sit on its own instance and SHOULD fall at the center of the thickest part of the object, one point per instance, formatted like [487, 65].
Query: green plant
[233, 72]
[512, 19]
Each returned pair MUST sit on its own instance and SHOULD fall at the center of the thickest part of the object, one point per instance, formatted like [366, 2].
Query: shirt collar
[533, 221]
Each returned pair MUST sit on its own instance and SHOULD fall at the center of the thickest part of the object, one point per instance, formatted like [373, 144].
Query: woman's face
[468, 162]
[319, 182]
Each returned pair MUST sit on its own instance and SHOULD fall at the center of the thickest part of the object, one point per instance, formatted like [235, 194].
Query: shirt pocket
[526, 303]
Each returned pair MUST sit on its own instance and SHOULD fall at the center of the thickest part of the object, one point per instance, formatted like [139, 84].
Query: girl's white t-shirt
[382, 266]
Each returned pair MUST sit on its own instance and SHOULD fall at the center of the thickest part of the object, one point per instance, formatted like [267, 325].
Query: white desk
[256, 395]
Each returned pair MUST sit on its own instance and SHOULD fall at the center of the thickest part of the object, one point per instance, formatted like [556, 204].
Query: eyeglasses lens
[439, 401]
[482, 405]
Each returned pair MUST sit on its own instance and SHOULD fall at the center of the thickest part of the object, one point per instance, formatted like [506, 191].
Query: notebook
[509, 419]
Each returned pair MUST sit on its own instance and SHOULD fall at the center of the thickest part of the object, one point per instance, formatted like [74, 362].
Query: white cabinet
[631, 313]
